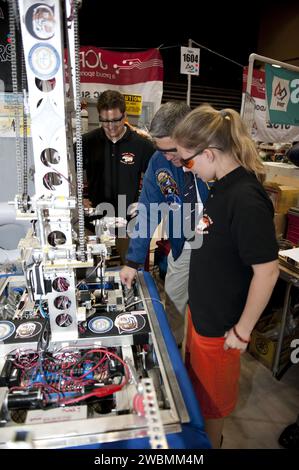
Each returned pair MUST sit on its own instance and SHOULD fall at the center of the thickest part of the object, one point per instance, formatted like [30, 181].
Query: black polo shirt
[115, 168]
[238, 231]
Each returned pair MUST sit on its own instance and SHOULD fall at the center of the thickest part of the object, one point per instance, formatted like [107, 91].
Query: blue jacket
[162, 182]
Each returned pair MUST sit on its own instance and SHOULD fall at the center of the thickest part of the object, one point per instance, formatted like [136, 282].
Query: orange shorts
[214, 373]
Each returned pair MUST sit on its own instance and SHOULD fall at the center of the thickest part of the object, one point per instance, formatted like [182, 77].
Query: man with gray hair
[166, 182]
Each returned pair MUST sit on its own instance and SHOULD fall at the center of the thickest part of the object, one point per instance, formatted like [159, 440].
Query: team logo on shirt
[204, 223]
[127, 158]
[169, 188]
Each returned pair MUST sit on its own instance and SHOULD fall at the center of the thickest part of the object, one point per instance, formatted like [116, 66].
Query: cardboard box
[283, 197]
[280, 221]
[284, 180]
[264, 349]
[263, 342]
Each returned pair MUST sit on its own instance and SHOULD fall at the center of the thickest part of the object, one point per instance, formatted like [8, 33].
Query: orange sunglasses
[189, 162]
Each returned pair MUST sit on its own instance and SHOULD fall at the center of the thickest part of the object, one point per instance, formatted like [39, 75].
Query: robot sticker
[204, 223]
[169, 188]
[44, 61]
[7, 328]
[28, 329]
[40, 21]
[129, 322]
[127, 158]
[100, 325]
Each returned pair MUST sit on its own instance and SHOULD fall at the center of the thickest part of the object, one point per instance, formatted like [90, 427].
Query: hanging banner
[131, 73]
[262, 129]
[282, 89]
[190, 60]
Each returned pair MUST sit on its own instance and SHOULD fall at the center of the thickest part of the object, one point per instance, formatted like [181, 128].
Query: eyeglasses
[189, 162]
[172, 150]
[105, 122]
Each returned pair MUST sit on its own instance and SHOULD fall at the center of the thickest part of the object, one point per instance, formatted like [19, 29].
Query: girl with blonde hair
[234, 272]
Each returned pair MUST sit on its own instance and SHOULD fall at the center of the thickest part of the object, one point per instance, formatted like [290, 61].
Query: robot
[75, 344]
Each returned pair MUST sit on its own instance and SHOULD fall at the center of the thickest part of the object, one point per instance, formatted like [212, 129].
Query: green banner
[282, 90]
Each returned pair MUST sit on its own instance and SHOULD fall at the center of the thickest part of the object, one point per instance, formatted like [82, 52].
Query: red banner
[258, 87]
[120, 68]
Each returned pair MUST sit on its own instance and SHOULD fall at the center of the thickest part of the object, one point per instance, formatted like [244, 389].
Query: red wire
[66, 361]
[102, 392]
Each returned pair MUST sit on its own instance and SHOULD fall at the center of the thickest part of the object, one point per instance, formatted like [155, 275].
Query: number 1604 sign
[190, 60]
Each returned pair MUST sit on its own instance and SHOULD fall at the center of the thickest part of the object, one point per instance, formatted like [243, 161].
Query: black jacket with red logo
[114, 169]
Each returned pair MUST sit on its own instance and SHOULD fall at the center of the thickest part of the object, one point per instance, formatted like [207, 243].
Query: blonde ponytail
[205, 126]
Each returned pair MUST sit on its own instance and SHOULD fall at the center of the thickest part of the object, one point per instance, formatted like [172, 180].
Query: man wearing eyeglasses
[165, 181]
[114, 156]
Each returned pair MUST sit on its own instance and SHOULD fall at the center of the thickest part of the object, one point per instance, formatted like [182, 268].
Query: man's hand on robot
[127, 276]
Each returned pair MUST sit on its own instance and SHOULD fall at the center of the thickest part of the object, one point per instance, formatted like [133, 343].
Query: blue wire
[10, 274]
[43, 313]
[18, 289]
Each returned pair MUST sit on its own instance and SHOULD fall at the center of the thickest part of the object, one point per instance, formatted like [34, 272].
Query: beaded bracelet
[239, 337]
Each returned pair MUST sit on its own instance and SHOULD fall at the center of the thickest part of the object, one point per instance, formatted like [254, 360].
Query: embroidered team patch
[168, 188]
[127, 158]
[204, 223]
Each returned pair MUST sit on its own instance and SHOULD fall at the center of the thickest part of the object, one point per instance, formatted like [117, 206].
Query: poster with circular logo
[100, 325]
[28, 329]
[7, 328]
[40, 21]
[129, 322]
[44, 61]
